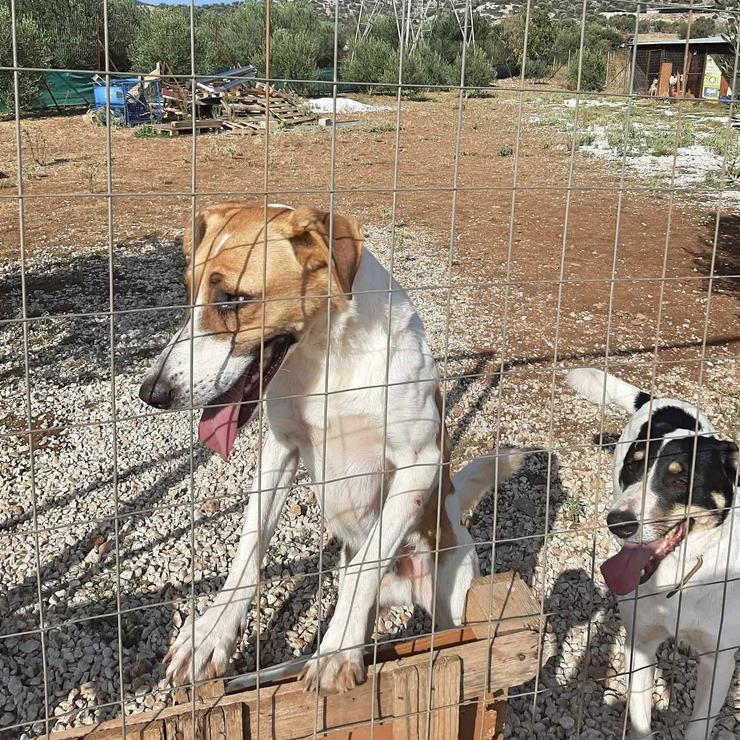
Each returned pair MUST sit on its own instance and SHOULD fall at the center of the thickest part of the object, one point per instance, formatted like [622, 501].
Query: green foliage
[367, 61]
[243, 36]
[593, 72]
[413, 73]
[725, 143]
[479, 72]
[293, 57]
[385, 28]
[146, 132]
[701, 27]
[299, 17]
[596, 38]
[445, 35]
[658, 141]
[165, 36]
[74, 26]
[33, 51]
[506, 150]
[540, 40]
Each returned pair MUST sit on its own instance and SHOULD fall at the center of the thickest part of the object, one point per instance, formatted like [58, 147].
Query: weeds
[89, 175]
[382, 127]
[146, 132]
[505, 151]
[38, 145]
[573, 509]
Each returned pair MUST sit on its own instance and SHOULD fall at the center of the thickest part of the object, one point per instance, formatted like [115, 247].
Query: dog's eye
[232, 301]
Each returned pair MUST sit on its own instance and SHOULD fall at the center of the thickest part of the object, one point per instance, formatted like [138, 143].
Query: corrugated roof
[667, 39]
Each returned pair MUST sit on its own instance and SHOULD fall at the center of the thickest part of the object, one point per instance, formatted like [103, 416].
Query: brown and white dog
[260, 327]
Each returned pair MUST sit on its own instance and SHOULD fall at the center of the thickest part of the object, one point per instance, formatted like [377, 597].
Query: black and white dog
[674, 511]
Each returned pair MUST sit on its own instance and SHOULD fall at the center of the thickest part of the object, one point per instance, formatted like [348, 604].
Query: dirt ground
[151, 180]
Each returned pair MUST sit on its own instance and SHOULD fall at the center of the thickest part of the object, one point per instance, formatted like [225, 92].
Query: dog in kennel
[675, 514]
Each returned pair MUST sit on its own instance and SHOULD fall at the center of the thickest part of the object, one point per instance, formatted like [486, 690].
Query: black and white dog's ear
[606, 440]
[729, 452]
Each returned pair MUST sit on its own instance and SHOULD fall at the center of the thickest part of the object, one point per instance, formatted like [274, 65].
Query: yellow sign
[712, 79]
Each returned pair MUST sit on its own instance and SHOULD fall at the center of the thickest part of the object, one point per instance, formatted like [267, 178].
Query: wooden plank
[501, 604]
[446, 692]
[406, 704]
[666, 69]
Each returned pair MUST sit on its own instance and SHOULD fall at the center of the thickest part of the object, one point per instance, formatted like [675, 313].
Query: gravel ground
[74, 474]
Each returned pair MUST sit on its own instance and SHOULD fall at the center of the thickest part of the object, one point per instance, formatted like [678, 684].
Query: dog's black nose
[622, 523]
[156, 392]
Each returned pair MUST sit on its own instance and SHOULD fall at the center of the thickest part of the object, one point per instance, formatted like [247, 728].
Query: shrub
[385, 28]
[593, 72]
[299, 17]
[435, 69]
[422, 67]
[413, 73]
[293, 57]
[243, 36]
[165, 36]
[33, 51]
[146, 132]
[479, 72]
[367, 61]
[540, 40]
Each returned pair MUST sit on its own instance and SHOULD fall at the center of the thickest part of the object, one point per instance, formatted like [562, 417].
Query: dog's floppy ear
[309, 234]
[191, 238]
[729, 452]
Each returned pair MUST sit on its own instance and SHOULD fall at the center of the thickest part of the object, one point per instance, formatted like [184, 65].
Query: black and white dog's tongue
[622, 571]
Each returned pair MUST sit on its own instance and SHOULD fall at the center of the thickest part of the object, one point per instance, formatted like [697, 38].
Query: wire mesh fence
[403, 382]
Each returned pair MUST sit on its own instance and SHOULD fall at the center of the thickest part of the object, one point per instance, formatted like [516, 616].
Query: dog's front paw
[206, 656]
[334, 672]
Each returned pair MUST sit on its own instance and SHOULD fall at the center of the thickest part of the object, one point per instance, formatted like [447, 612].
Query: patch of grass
[146, 132]
[574, 510]
[662, 142]
[644, 138]
[725, 142]
[382, 127]
[506, 150]
[623, 139]
[584, 138]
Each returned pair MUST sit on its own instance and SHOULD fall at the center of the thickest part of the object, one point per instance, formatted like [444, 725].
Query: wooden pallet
[466, 672]
[185, 126]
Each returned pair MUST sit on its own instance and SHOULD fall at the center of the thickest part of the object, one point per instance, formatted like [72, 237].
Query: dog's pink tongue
[622, 571]
[219, 423]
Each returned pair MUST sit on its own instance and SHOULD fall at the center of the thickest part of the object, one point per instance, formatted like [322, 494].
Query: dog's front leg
[206, 653]
[710, 694]
[640, 661]
[338, 664]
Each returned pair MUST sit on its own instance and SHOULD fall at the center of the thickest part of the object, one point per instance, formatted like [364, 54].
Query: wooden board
[501, 604]
[462, 669]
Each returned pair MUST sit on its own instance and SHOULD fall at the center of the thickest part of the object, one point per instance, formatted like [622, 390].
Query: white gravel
[160, 517]
[344, 105]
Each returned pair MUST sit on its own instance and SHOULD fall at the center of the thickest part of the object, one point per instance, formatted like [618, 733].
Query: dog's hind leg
[710, 692]
[206, 653]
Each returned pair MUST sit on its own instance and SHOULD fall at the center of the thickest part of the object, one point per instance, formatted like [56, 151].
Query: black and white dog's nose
[622, 523]
[157, 392]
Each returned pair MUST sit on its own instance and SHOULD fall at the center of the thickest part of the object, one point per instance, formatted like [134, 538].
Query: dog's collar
[699, 562]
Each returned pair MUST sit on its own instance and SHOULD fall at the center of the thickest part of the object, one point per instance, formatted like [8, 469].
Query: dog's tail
[479, 476]
[601, 388]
